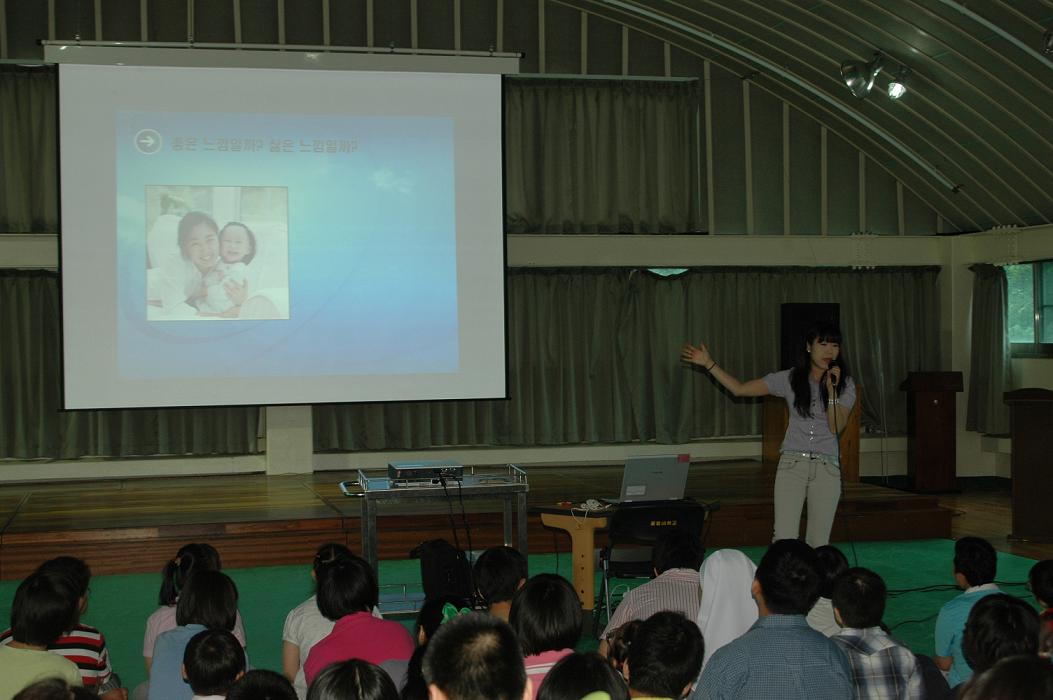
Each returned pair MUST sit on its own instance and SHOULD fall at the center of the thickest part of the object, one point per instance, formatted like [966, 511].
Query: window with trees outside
[1030, 322]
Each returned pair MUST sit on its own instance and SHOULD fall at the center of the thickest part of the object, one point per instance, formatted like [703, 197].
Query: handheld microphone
[833, 378]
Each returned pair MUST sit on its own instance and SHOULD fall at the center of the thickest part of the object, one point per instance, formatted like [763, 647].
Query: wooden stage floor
[135, 525]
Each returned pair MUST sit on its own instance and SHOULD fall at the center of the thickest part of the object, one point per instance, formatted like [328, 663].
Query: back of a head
[476, 657]
[677, 549]
[576, 675]
[329, 553]
[546, 614]
[1040, 579]
[45, 606]
[789, 577]
[999, 626]
[976, 560]
[53, 689]
[434, 612]
[209, 598]
[261, 684]
[832, 563]
[620, 641]
[196, 556]
[76, 570]
[1026, 677]
[665, 656]
[347, 585]
[353, 680]
[213, 660]
[497, 573]
[859, 595]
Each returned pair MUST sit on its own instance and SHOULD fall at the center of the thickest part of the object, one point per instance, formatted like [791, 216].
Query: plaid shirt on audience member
[882, 668]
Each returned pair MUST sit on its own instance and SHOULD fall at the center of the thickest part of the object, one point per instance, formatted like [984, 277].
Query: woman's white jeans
[817, 478]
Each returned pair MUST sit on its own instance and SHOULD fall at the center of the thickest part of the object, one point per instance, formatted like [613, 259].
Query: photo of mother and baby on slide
[215, 272]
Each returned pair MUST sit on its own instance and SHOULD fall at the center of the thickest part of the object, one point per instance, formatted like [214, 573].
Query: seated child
[237, 248]
[580, 674]
[975, 563]
[1040, 581]
[209, 601]
[499, 572]
[546, 616]
[881, 666]
[190, 558]
[42, 610]
[999, 626]
[81, 644]
[212, 663]
[353, 679]
[260, 684]
[832, 563]
[665, 657]
[619, 642]
[54, 689]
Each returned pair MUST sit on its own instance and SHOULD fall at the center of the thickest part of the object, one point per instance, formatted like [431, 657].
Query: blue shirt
[166, 669]
[810, 434]
[781, 657]
[950, 624]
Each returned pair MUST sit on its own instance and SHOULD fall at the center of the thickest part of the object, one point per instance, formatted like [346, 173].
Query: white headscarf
[728, 608]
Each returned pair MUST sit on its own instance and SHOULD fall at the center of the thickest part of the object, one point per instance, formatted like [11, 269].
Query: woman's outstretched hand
[696, 355]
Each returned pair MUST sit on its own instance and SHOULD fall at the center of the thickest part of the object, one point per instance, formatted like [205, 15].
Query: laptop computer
[654, 478]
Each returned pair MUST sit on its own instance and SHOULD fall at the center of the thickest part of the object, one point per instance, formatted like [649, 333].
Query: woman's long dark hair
[196, 556]
[802, 393]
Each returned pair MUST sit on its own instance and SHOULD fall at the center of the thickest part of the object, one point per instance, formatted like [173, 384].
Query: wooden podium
[775, 416]
[1031, 428]
[931, 458]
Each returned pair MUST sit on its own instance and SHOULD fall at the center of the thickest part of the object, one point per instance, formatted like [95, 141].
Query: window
[1030, 322]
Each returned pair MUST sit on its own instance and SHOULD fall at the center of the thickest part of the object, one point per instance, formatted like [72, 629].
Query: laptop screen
[655, 477]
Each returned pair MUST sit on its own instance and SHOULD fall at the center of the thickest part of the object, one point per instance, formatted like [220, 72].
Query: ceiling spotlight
[859, 76]
[897, 87]
[1047, 42]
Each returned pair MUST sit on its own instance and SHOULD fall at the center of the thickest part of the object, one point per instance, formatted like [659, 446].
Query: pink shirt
[538, 665]
[360, 636]
[163, 619]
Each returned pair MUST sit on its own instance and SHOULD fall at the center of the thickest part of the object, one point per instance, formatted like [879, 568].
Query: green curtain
[990, 372]
[593, 357]
[601, 156]
[32, 422]
[28, 150]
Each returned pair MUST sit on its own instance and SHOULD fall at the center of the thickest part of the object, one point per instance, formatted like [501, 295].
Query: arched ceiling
[973, 134]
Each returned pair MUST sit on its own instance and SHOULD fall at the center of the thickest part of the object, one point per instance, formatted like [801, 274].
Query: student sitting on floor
[433, 613]
[54, 689]
[190, 558]
[975, 563]
[999, 626]
[353, 679]
[1013, 678]
[580, 674]
[546, 616]
[499, 572]
[1040, 581]
[42, 609]
[476, 657]
[665, 657]
[82, 644]
[214, 660]
[209, 601]
[882, 668]
[832, 563]
[260, 684]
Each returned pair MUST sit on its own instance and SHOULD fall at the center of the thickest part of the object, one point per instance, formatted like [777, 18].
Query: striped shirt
[86, 647]
[677, 590]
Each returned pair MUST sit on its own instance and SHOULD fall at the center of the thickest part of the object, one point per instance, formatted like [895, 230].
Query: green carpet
[120, 605]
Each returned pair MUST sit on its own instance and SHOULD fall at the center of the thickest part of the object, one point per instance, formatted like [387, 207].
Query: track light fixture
[1047, 42]
[859, 76]
[897, 87]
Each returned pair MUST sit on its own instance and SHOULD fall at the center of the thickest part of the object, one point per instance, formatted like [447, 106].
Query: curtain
[593, 357]
[601, 156]
[28, 150]
[990, 368]
[32, 422]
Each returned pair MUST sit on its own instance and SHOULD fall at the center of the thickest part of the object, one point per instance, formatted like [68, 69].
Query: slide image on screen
[217, 253]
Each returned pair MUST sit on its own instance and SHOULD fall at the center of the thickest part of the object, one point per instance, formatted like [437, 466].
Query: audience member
[213, 661]
[618, 643]
[546, 616]
[476, 657]
[54, 689]
[347, 593]
[882, 668]
[1013, 678]
[1040, 581]
[780, 655]
[665, 657]
[353, 679]
[190, 558]
[578, 674]
[432, 614]
[832, 563]
[675, 558]
[208, 601]
[305, 625]
[260, 684]
[727, 608]
[82, 644]
[975, 562]
[499, 572]
[999, 625]
[42, 609]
